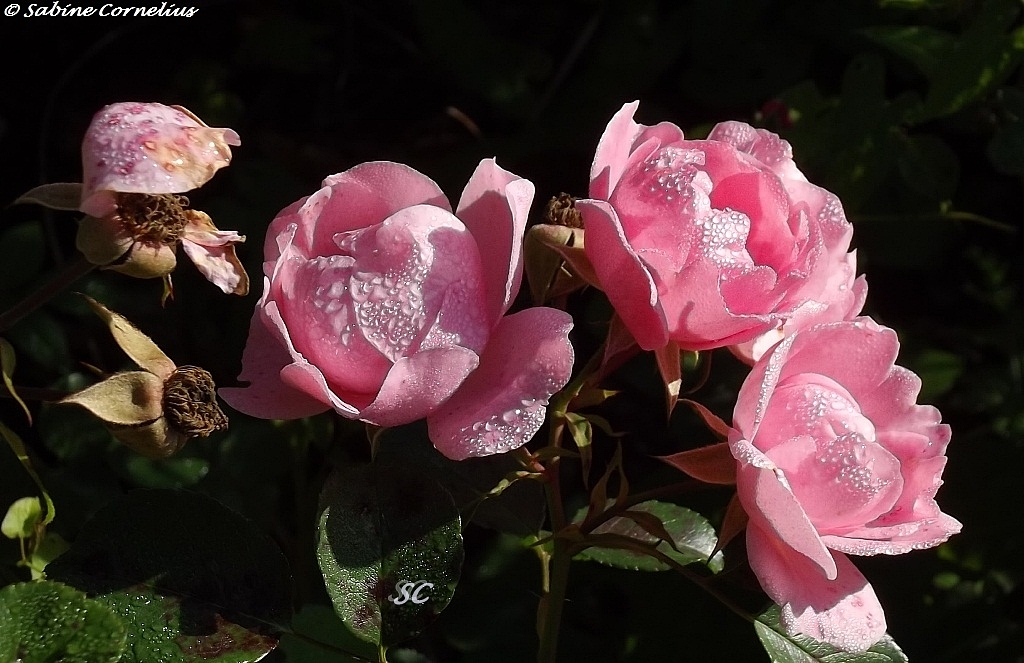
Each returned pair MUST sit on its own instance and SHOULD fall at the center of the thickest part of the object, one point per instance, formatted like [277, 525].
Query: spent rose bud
[136, 159]
[382, 304]
[154, 411]
[834, 457]
[711, 243]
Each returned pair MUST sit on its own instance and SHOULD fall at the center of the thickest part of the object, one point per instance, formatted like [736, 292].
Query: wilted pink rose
[135, 157]
[380, 303]
[148, 148]
[713, 242]
[835, 458]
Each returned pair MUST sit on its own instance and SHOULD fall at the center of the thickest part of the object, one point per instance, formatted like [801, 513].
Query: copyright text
[57, 9]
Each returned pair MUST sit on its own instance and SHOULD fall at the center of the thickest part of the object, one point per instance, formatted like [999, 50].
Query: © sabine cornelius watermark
[58, 10]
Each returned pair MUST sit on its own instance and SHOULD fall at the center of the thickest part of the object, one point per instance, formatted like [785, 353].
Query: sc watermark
[408, 590]
[68, 10]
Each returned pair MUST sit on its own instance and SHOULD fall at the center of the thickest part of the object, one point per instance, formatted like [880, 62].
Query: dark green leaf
[1006, 149]
[784, 648]
[318, 624]
[41, 339]
[692, 534]
[961, 69]
[923, 46]
[929, 167]
[390, 548]
[194, 580]
[19, 268]
[45, 621]
[519, 509]
[939, 371]
[176, 472]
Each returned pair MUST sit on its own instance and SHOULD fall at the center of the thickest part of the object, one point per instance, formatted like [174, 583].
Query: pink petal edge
[502, 404]
[494, 206]
[267, 396]
[843, 612]
[626, 280]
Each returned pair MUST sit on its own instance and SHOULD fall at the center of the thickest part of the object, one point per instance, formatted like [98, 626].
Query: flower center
[561, 211]
[159, 218]
[190, 402]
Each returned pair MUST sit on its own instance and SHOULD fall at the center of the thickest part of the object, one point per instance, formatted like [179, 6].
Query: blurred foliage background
[912, 111]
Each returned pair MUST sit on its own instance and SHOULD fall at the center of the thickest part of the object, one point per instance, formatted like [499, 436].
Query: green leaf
[194, 580]
[692, 534]
[784, 648]
[18, 447]
[321, 637]
[7, 363]
[46, 621]
[961, 69]
[518, 509]
[50, 548]
[21, 518]
[390, 548]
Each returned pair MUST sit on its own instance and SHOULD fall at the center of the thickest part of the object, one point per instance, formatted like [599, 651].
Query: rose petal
[267, 395]
[494, 206]
[843, 611]
[212, 251]
[503, 403]
[148, 148]
[895, 540]
[362, 196]
[766, 497]
[841, 481]
[765, 146]
[612, 151]
[314, 297]
[868, 352]
[627, 281]
[417, 385]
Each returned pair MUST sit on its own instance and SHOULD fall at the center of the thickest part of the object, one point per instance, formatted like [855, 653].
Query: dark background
[910, 110]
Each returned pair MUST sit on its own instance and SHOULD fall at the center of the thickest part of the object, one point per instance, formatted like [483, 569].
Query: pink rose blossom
[134, 157]
[835, 458]
[380, 303]
[714, 242]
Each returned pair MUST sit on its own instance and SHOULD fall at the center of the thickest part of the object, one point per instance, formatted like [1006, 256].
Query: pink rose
[380, 303]
[835, 458]
[713, 242]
